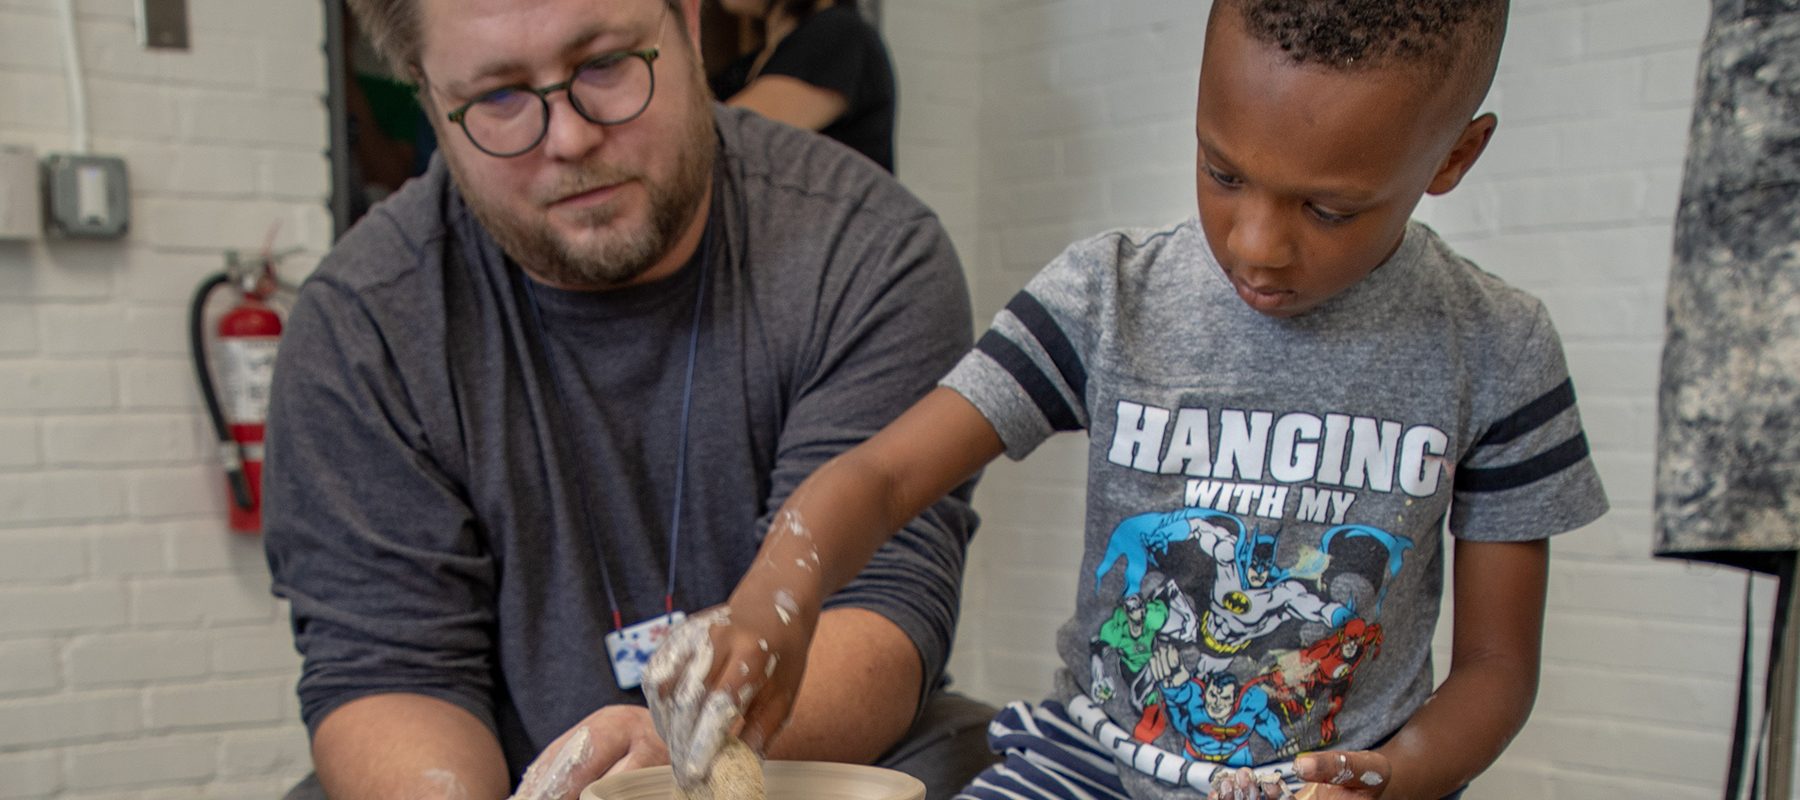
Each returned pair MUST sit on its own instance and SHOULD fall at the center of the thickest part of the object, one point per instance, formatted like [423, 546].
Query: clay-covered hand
[738, 666]
[1343, 775]
[613, 739]
[1247, 784]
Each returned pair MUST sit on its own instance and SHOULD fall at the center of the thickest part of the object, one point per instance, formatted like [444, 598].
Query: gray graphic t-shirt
[1267, 497]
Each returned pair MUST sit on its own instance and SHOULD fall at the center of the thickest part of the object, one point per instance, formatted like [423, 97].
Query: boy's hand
[738, 666]
[1343, 775]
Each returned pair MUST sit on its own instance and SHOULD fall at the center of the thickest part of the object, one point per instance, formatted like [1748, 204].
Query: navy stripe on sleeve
[1542, 465]
[1056, 344]
[1532, 416]
[1033, 380]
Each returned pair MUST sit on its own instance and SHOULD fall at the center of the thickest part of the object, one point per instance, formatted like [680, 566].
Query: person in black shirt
[821, 67]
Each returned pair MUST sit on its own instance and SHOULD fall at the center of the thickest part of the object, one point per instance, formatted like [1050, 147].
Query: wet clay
[737, 774]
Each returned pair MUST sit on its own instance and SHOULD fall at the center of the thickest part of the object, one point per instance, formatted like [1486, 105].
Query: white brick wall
[140, 652]
[1084, 114]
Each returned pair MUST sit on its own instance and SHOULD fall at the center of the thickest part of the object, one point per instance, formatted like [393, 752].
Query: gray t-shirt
[447, 474]
[1266, 497]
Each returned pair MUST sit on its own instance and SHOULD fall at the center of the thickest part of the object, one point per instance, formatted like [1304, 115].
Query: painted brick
[208, 546]
[277, 21]
[69, 271]
[249, 755]
[61, 608]
[129, 552]
[211, 223]
[177, 491]
[56, 386]
[135, 439]
[1571, 91]
[124, 764]
[40, 559]
[266, 650]
[294, 175]
[135, 657]
[202, 600]
[132, 109]
[153, 383]
[68, 718]
[256, 118]
[29, 42]
[1670, 78]
[83, 330]
[1564, 201]
[18, 329]
[1535, 38]
[28, 666]
[35, 774]
[217, 703]
[1642, 25]
[33, 100]
[60, 496]
[19, 444]
[165, 278]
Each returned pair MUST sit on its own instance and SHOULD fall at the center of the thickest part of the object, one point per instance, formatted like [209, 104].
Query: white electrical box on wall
[21, 198]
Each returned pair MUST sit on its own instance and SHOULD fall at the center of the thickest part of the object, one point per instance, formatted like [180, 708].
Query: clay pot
[786, 780]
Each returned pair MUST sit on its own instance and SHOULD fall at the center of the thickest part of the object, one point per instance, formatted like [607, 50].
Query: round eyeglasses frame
[648, 56]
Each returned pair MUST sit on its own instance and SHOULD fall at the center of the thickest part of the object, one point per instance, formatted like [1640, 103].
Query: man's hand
[613, 739]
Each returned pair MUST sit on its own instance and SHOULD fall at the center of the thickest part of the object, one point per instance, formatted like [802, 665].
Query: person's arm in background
[792, 101]
[815, 74]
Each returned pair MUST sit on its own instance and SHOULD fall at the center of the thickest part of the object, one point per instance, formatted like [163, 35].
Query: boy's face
[1307, 176]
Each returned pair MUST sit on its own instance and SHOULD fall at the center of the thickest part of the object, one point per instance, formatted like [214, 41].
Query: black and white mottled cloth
[1728, 467]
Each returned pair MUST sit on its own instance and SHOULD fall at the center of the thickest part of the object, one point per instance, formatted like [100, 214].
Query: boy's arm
[823, 535]
[1496, 641]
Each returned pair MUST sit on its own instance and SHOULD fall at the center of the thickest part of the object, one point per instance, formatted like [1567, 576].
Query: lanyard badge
[631, 647]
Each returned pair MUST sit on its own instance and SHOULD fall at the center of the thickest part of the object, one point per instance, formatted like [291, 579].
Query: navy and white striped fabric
[1047, 756]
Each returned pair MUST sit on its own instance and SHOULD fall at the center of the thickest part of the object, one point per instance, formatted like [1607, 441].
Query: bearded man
[548, 395]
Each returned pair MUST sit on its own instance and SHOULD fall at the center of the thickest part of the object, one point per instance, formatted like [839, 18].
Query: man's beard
[618, 256]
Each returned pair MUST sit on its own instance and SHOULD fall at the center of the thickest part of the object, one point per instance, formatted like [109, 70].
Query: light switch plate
[163, 24]
[86, 196]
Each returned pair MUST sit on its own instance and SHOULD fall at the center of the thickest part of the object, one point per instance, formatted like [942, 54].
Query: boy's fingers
[1357, 770]
[766, 715]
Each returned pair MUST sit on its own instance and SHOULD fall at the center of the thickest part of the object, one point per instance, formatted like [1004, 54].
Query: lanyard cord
[687, 404]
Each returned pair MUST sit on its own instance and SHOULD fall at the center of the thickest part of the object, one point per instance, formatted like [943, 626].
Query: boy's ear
[1469, 146]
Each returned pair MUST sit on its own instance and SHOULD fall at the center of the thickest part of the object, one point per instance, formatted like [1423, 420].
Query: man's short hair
[1458, 35]
[392, 27]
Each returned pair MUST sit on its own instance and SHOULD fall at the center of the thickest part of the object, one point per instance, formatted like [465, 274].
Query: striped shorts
[1050, 756]
[1047, 756]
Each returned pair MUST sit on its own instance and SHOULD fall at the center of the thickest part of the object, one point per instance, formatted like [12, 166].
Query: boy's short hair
[1459, 36]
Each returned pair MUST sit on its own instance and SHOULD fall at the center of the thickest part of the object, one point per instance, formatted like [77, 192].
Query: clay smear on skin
[448, 786]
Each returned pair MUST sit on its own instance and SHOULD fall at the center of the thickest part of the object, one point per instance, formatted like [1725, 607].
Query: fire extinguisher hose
[229, 451]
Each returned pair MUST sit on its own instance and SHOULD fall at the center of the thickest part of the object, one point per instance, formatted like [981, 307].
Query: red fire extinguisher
[242, 357]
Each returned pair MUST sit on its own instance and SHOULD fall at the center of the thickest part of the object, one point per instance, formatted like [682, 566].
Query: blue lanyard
[687, 405]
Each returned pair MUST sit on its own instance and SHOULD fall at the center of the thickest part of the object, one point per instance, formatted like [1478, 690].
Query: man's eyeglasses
[608, 90]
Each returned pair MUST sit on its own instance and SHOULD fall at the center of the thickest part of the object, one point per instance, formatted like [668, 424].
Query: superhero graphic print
[1241, 619]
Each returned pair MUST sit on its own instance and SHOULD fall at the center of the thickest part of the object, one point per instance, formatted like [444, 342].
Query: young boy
[1288, 399]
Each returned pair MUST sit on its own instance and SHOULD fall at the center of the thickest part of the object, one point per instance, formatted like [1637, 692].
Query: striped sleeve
[1528, 473]
[1028, 373]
